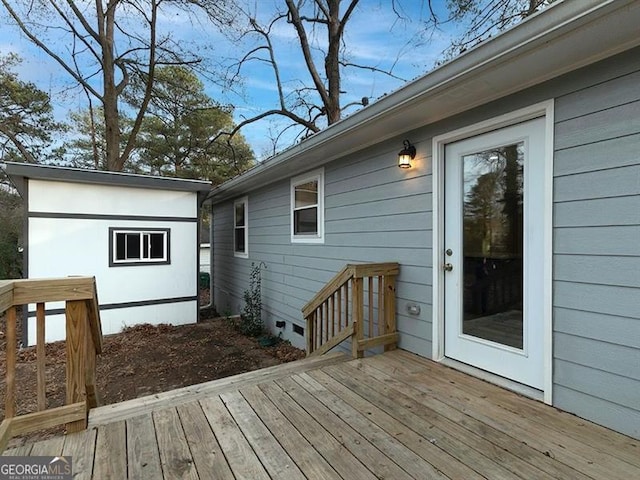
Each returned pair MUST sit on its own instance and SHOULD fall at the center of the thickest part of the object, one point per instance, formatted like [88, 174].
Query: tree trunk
[331, 63]
[110, 97]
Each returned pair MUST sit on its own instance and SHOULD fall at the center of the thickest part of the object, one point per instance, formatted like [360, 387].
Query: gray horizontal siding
[598, 126]
[596, 287]
[605, 412]
[602, 327]
[601, 270]
[597, 156]
[374, 212]
[591, 381]
[598, 212]
[602, 356]
[608, 240]
[614, 182]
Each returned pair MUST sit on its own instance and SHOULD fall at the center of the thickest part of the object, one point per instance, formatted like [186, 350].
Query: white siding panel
[77, 198]
[114, 320]
[63, 247]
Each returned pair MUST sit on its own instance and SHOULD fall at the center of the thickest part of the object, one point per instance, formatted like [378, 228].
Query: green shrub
[251, 318]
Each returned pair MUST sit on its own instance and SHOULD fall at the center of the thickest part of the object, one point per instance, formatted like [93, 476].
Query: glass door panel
[493, 244]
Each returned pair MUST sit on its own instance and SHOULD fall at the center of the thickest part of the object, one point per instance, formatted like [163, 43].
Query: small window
[241, 228]
[138, 247]
[307, 208]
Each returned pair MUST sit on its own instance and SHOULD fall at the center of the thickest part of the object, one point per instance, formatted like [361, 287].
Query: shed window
[133, 246]
[241, 228]
[307, 208]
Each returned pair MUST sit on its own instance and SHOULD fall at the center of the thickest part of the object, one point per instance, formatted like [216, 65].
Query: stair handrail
[325, 301]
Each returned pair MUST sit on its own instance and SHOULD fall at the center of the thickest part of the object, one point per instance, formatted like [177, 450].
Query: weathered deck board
[273, 457]
[338, 456]
[390, 416]
[175, 456]
[387, 444]
[498, 438]
[50, 447]
[205, 449]
[439, 464]
[356, 443]
[312, 464]
[587, 458]
[81, 447]
[110, 458]
[416, 415]
[562, 422]
[142, 449]
[235, 446]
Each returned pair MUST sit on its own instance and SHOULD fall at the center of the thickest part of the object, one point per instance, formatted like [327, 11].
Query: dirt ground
[147, 359]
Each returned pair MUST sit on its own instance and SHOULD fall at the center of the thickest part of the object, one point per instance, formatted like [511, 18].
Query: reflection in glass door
[493, 244]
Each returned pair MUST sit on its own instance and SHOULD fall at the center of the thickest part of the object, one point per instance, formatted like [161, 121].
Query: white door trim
[543, 109]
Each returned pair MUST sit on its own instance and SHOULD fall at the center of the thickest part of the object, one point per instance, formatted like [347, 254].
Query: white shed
[138, 235]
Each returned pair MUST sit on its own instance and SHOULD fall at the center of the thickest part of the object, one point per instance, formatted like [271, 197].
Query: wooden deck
[393, 416]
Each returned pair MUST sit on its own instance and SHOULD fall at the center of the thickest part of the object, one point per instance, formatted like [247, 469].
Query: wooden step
[138, 406]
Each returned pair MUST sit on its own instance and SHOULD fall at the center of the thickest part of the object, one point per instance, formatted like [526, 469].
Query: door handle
[447, 267]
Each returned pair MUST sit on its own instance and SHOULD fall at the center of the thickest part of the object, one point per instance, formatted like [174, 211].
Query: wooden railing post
[311, 320]
[357, 294]
[76, 345]
[90, 373]
[40, 357]
[10, 400]
[390, 308]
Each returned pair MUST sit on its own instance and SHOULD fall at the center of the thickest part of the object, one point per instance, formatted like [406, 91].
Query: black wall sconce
[407, 154]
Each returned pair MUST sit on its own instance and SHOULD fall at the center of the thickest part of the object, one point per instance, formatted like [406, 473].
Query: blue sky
[374, 36]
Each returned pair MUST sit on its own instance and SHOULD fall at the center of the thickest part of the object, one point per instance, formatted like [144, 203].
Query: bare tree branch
[306, 51]
[49, 52]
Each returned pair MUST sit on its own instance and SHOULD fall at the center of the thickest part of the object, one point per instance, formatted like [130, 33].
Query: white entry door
[494, 252]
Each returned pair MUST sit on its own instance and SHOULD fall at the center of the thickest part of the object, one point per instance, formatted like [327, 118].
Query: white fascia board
[562, 38]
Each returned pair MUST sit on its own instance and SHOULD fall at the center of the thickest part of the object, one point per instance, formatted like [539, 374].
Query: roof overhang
[20, 171]
[566, 36]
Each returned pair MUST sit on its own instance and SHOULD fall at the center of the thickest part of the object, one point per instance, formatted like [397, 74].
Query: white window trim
[166, 258]
[307, 177]
[543, 109]
[245, 254]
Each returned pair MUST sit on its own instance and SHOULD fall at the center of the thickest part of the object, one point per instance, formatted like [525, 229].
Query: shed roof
[564, 37]
[19, 171]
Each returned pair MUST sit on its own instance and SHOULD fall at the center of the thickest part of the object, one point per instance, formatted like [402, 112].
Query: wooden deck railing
[358, 303]
[83, 343]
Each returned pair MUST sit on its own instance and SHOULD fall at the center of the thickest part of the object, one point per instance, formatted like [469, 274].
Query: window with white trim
[241, 228]
[307, 208]
[129, 246]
